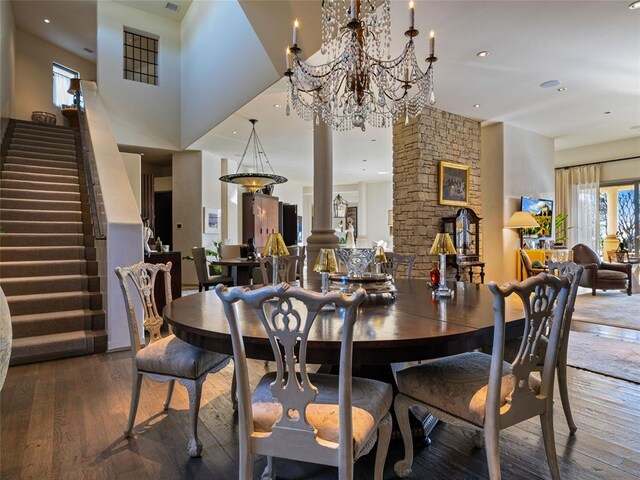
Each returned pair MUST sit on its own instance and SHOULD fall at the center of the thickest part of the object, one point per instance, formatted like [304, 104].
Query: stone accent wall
[418, 148]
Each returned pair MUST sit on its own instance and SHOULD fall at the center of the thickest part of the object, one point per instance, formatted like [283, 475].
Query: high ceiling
[591, 47]
[159, 7]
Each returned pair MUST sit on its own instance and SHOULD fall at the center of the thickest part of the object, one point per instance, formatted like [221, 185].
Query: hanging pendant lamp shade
[255, 178]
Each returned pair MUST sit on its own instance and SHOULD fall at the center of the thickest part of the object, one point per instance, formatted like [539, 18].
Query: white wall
[211, 192]
[379, 202]
[514, 162]
[7, 62]
[219, 46]
[33, 74]
[609, 172]
[140, 114]
[133, 165]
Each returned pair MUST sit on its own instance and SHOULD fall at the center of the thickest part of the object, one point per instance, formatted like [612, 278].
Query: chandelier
[360, 83]
[255, 179]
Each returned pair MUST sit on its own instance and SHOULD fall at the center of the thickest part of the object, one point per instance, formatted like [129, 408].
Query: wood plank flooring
[64, 420]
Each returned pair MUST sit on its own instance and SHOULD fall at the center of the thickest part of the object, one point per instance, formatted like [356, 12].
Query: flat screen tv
[542, 210]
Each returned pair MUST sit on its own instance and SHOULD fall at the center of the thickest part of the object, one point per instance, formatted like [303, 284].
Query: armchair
[601, 275]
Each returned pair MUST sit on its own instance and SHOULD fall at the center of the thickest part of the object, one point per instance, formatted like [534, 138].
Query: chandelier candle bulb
[432, 43]
[412, 15]
[353, 9]
[295, 32]
[289, 62]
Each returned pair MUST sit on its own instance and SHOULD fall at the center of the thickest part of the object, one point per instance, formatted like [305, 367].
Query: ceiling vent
[172, 6]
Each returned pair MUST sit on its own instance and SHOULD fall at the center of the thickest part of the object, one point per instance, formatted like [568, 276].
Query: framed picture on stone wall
[454, 184]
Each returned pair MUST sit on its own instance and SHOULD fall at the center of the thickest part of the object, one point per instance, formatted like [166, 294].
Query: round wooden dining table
[412, 327]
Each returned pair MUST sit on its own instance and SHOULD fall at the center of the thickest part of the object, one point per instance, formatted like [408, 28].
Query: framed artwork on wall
[454, 184]
[211, 221]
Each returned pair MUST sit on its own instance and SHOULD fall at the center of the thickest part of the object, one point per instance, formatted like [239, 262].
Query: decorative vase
[435, 275]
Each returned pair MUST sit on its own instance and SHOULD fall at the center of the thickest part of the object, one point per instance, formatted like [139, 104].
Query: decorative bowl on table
[355, 259]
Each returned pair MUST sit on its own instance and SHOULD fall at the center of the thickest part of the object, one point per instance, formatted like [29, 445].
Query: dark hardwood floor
[64, 420]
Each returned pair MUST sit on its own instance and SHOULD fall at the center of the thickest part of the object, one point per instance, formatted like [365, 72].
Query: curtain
[61, 81]
[578, 196]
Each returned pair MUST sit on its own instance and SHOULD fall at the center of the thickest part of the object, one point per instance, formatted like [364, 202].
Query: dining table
[407, 327]
[412, 326]
[241, 268]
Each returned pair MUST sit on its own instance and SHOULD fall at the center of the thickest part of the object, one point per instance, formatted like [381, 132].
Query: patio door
[619, 212]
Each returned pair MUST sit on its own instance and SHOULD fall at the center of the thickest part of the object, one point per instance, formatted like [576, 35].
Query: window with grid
[61, 80]
[140, 57]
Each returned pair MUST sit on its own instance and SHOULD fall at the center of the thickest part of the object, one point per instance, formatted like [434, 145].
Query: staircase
[48, 267]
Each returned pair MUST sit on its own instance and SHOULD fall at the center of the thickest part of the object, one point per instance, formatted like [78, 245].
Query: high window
[61, 79]
[140, 57]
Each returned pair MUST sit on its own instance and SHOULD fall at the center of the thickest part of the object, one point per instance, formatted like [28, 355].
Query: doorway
[163, 203]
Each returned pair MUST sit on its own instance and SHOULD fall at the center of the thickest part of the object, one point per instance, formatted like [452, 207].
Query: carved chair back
[200, 261]
[544, 299]
[287, 323]
[395, 260]
[287, 268]
[5, 336]
[573, 272]
[143, 277]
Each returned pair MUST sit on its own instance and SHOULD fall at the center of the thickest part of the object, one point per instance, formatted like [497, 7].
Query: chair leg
[492, 446]
[234, 391]
[546, 421]
[269, 472]
[135, 397]
[401, 407]
[384, 436]
[167, 402]
[564, 396]
[194, 387]
[199, 287]
[593, 291]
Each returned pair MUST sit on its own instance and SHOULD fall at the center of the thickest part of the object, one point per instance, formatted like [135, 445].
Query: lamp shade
[326, 261]
[380, 256]
[275, 246]
[522, 220]
[74, 86]
[442, 245]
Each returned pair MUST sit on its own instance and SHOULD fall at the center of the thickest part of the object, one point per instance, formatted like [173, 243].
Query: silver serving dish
[375, 284]
[356, 259]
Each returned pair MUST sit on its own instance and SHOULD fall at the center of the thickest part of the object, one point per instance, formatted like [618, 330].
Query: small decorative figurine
[251, 249]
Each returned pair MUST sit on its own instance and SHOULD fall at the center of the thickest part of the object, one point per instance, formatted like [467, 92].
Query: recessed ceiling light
[607, 113]
[562, 89]
[482, 53]
[277, 105]
[382, 173]
[634, 5]
[550, 83]
[46, 20]
[234, 132]
[477, 105]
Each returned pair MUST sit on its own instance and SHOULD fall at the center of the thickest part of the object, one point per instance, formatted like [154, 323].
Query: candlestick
[295, 32]
[353, 9]
[432, 43]
[412, 15]
[289, 62]
[406, 73]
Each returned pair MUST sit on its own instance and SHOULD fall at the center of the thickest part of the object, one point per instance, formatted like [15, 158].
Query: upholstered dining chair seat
[171, 356]
[371, 401]
[456, 385]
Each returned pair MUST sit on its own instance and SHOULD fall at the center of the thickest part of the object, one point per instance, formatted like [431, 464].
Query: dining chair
[485, 393]
[311, 417]
[300, 251]
[395, 260]
[287, 268]
[5, 337]
[205, 280]
[167, 359]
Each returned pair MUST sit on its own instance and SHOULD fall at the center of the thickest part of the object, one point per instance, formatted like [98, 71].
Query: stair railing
[93, 185]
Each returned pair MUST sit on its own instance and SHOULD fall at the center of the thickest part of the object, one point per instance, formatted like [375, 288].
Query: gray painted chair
[287, 268]
[167, 359]
[395, 260]
[205, 280]
[485, 393]
[5, 337]
[299, 251]
[319, 418]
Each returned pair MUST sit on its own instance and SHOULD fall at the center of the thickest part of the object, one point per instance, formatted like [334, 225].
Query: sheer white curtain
[578, 196]
[61, 80]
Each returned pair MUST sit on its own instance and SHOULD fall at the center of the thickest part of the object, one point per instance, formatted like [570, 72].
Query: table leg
[481, 273]
[234, 275]
[457, 273]
[470, 274]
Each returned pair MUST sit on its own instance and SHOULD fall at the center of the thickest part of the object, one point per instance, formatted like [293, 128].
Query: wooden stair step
[47, 347]
[49, 284]
[37, 215]
[20, 226]
[54, 302]
[42, 239]
[39, 177]
[15, 254]
[56, 322]
[39, 194]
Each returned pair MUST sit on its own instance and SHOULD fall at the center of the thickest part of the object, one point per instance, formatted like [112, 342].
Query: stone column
[322, 232]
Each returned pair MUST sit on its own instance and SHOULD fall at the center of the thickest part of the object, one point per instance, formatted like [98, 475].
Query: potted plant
[214, 253]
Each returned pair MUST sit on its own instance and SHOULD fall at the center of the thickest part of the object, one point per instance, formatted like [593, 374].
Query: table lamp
[443, 246]
[522, 220]
[74, 89]
[325, 265]
[379, 258]
[275, 247]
